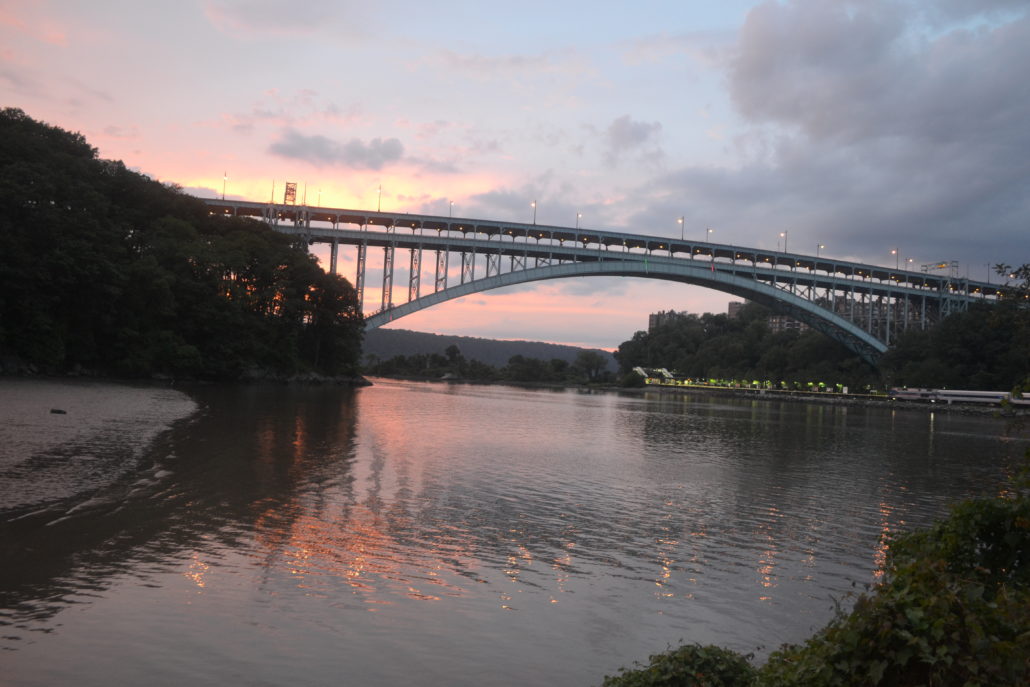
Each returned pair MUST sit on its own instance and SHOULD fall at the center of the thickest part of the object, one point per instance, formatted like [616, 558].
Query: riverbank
[828, 398]
[833, 398]
[15, 368]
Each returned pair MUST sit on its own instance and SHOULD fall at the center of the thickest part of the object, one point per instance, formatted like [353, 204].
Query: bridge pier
[441, 270]
[415, 273]
[387, 291]
[359, 279]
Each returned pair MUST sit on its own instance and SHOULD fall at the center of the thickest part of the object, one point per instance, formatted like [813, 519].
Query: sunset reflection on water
[451, 534]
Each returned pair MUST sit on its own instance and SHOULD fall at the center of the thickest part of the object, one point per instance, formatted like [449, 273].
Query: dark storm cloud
[869, 130]
[322, 151]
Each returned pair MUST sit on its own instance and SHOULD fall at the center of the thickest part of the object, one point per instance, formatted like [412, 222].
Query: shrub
[691, 665]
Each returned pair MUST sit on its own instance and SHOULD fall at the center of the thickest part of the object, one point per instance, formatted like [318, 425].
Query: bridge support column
[493, 264]
[387, 294]
[359, 276]
[415, 273]
[889, 320]
[441, 270]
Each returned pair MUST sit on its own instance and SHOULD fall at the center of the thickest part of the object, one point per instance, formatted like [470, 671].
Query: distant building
[782, 323]
[776, 323]
[662, 318]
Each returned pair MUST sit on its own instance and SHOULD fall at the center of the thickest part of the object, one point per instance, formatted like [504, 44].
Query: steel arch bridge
[863, 306]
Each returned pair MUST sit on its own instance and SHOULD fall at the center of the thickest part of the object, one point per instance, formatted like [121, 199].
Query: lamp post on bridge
[680, 220]
[897, 258]
[379, 199]
[450, 209]
[818, 247]
[225, 180]
[783, 235]
[579, 215]
[533, 205]
[708, 235]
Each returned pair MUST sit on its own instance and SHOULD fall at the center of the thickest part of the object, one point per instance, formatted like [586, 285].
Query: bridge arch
[836, 327]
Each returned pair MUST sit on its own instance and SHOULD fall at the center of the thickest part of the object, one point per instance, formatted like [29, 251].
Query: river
[433, 534]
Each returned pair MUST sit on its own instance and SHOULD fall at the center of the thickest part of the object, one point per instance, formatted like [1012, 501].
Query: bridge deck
[430, 232]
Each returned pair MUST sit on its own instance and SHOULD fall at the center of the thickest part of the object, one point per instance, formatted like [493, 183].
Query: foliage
[106, 269]
[952, 608]
[588, 368]
[986, 347]
[717, 346]
[691, 665]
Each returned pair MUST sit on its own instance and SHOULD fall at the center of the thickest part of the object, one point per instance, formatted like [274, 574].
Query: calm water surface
[441, 534]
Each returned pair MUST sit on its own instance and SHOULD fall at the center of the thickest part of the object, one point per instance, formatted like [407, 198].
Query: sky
[865, 126]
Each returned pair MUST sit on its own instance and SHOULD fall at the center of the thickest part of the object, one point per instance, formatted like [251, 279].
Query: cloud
[624, 136]
[113, 131]
[34, 23]
[705, 48]
[866, 130]
[300, 108]
[255, 18]
[486, 67]
[322, 151]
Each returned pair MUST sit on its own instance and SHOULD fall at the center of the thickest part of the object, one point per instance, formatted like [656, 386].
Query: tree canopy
[743, 347]
[986, 347]
[105, 269]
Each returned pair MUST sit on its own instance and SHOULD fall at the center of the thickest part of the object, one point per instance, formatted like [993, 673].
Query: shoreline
[832, 398]
[826, 398]
[250, 378]
[358, 381]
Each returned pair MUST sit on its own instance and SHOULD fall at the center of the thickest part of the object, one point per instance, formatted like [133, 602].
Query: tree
[103, 268]
[591, 364]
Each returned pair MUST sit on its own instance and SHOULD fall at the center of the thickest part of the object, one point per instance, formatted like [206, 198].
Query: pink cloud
[42, 29]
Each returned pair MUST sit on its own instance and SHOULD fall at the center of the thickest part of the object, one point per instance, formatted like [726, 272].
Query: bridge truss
[865, 307]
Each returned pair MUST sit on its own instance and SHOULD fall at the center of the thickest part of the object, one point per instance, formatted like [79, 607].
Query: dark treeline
[588, 367]
[987, 347]
[742, 348]
[104, 269]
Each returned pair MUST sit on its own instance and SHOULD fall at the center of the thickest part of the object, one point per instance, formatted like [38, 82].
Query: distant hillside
[387, 343]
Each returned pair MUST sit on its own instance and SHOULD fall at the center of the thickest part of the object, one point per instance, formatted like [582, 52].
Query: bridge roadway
[863, 306]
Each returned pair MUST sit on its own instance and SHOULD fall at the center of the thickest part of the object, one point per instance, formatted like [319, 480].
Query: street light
[783, 235]
[450, 210]
[225, 179]
[897, 257]
[533, 204]
[818, 247]
[708, 235]
[579, 215]
[379, 199]
[680, 220]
